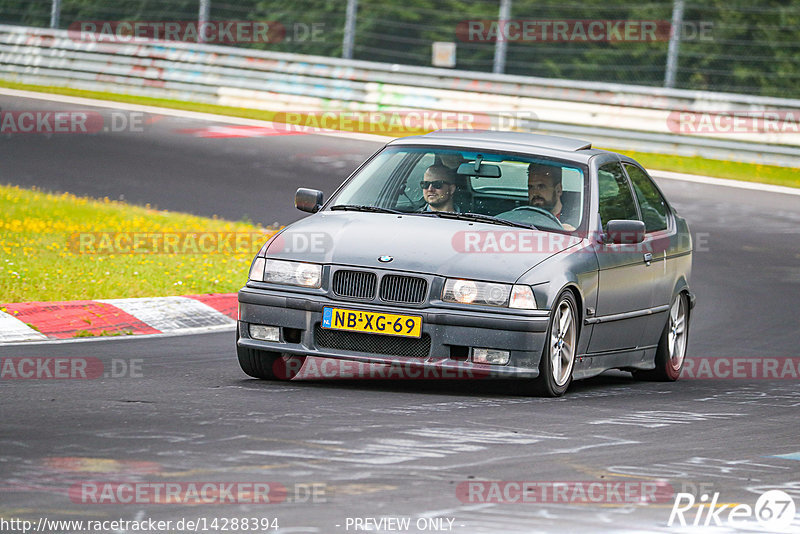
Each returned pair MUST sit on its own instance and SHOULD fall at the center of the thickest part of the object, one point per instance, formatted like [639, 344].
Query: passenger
[438, 188]
[451, 161]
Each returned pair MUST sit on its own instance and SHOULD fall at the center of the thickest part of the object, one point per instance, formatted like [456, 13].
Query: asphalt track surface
[392, 449]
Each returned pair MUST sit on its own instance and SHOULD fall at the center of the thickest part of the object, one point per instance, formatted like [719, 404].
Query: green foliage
[748, 47]
[102, 333]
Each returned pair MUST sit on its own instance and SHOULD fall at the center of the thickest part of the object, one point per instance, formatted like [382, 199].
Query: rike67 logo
[773, 512]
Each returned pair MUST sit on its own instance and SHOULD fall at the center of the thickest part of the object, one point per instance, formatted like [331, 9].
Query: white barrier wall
[617, 116]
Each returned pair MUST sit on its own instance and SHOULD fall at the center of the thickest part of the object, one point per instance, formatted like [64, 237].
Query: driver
[544, 191]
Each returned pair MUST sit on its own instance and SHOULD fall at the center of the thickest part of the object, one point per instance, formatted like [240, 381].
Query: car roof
[546, 145]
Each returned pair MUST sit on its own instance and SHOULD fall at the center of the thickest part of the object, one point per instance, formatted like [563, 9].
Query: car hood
[451, 248]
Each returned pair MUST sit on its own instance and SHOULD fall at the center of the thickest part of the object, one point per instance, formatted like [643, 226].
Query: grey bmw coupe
[490, 254]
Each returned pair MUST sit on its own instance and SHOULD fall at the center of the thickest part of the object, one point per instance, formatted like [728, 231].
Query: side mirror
[624, 232]
[309, 200]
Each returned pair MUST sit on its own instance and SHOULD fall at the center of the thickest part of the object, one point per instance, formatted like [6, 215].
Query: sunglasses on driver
[436, 184]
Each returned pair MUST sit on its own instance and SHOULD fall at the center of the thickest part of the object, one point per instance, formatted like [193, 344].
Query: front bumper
[453, 333]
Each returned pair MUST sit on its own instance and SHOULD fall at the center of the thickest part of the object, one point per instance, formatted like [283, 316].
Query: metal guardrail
[612, 115]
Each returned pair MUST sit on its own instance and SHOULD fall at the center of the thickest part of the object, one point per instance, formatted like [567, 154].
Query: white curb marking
[12, 329]
[172, 314]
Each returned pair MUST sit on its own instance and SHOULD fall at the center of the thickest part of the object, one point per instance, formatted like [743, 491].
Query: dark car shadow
[499, 388]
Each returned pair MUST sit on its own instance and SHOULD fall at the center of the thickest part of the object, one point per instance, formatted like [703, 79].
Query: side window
[654, 209]
[616, 199]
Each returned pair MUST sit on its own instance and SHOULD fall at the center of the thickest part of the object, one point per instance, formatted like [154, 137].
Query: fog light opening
[292, 335]
[459, 353]
[265, 333]
[491, 356]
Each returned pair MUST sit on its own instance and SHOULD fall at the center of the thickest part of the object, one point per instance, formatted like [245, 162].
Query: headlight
[472, 292]
[293, 273]
[488, 294]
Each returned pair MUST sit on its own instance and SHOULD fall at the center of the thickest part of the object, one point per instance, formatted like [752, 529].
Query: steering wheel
[542, 211]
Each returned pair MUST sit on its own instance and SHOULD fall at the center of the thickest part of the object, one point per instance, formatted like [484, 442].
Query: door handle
[648, 258]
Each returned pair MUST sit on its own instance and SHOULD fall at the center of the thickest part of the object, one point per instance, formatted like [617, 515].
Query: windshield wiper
[477, 217]
[443, 214]
[356, 207]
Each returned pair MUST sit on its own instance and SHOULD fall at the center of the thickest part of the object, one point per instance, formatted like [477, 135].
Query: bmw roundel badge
[385, 259]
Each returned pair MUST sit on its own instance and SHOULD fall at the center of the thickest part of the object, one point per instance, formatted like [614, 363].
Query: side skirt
[589, 365]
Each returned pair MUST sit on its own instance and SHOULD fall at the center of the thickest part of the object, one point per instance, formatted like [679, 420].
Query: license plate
[372, 322]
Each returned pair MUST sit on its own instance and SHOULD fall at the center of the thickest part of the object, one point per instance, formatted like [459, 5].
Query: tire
[558, 355]
[267, 365]
[671, 351]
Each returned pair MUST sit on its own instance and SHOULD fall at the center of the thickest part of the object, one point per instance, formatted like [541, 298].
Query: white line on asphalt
[708, 180]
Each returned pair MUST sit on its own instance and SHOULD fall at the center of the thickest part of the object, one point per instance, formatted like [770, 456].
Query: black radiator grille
[408, 289]
[354, 284]
[372, 343]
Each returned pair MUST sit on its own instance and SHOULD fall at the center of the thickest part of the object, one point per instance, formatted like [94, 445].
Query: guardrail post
[674, 44]
[499, 65]
[349, 29]
[202, 19]
[55, 13]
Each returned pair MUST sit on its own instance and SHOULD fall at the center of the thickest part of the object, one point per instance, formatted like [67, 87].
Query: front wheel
[671, 350]
[558, 355]
[267, 365]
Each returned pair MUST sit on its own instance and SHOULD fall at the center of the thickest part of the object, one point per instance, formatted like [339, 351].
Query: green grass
[750, 172]
[62, 247]
[746, 172]
[104, 333]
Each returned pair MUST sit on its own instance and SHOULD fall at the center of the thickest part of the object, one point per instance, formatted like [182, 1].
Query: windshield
[525, 190]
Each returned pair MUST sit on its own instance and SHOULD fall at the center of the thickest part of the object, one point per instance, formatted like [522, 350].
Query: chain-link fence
[724, 45]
